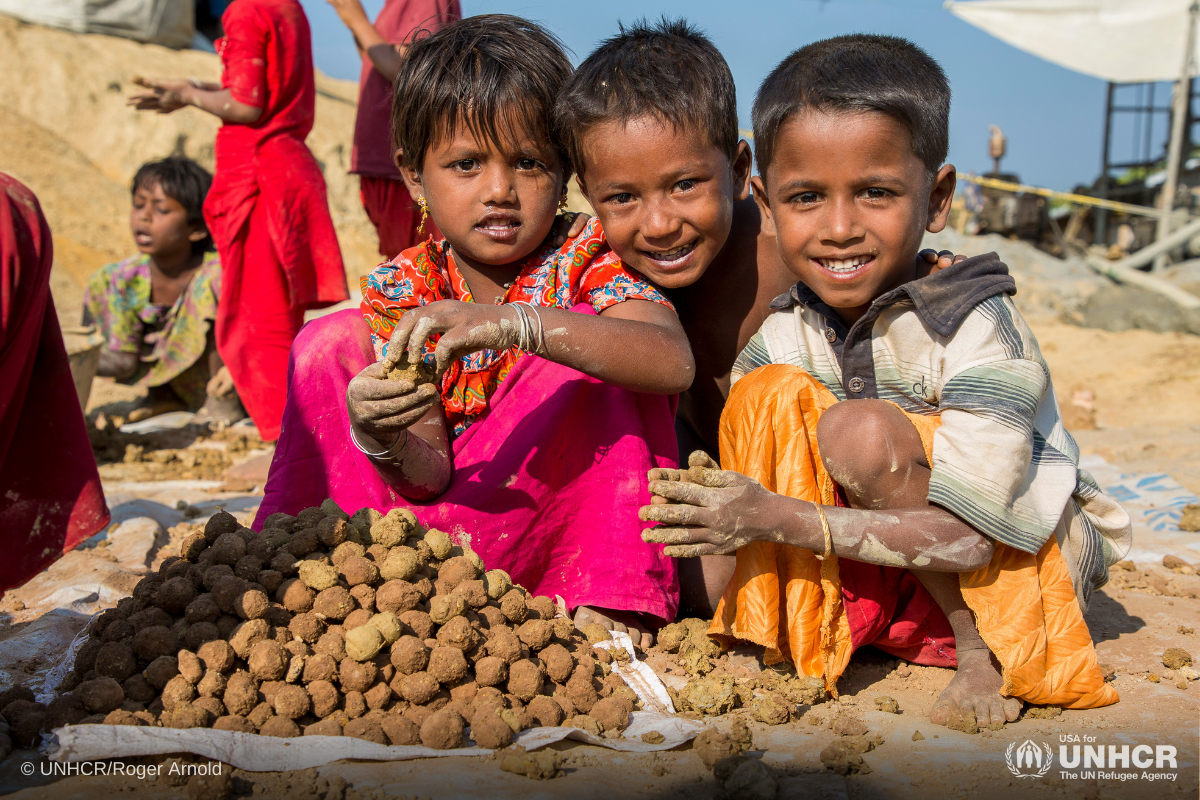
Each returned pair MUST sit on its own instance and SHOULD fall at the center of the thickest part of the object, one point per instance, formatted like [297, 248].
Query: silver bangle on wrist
[527, 340]
[391, 452]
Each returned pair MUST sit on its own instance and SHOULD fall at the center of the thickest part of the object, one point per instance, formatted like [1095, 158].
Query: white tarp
[1124, 41]
[167, 22]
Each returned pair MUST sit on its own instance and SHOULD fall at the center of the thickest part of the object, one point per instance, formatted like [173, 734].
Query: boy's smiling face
[664, 196]
[848, 201]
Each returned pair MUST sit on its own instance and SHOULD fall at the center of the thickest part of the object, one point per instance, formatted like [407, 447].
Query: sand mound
[69, 136]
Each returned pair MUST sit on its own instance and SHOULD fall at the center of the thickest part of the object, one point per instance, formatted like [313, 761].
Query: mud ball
[213, 574]
[356, 618]
[280, 727]
[323, 698]
[212, 705]
[219, 524]
[228, 549]
[284, 563]
[512, 606]
[270, 580]
[235, 723]
[397, 596]
[493, 620]
[456, 570]
[306, 627]
[186, 716]
[400, 731]
[596, 633]
[303, 542]
[152, 617]
[535, 633]
[268, 660]
[346, 550]
[473, 592]
[393, 528]
[241, 694]
[63, 710]
[546, 712]
[363, 643]
[259, 715]
[249, 633]
[138, 689]
[227, 591]
[489, 730]
[332, 531]
[364, 595]
[316, 575]
[177, 692]
[447, 665]
[291, 702]
[190, 666]
[334, 603]
[558, 662]
[212, 684]
[319, 667]
[612, 713]
[458, 633]
[193, 545]
[160, 671]
[174, 595]
[439, 544]
[251, 604]
[540, 607]
[151, 643]
[248, 567]
[295, 596]
[505, 644]
[442, 730]
[497, 583]
[491, 671]
[122, 717]
[368, 729]
[353, 705]
[418, 623]
[203, 608]
[409, 654]
[401, 563]
[331, 643]
[217, 655]
[581, 693]
[387, 624]
[357, 676]
[445, 607]
[524, 680]
[419, 687]
[378, 697]
[115, 660]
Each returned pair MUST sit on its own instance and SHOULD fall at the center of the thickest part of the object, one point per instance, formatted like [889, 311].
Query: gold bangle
[824, 529]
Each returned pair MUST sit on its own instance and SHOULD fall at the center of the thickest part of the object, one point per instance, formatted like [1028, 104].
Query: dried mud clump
[327, 623]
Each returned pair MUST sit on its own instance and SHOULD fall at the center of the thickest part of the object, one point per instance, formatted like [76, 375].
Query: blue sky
[1053, 117]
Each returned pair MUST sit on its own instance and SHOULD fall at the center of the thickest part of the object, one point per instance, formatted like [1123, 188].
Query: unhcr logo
[1028, 760]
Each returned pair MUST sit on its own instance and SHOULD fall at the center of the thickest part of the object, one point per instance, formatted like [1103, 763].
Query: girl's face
[159, 223]
[495, 204]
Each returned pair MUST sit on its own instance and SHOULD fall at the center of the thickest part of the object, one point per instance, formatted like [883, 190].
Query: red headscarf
[50, 495]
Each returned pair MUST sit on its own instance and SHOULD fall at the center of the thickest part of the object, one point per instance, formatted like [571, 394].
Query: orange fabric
[787, 600]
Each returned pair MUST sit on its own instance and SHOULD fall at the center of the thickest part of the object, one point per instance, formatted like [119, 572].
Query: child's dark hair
[668, 69]
[856, 73]
[495, 74]
[185, 182]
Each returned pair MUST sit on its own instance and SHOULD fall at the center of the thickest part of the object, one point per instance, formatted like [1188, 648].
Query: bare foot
[155, 408]
[976, 688]
[624, 621]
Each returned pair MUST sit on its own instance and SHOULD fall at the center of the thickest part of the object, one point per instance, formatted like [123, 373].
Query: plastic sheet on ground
[1155, 503]
[256, 753]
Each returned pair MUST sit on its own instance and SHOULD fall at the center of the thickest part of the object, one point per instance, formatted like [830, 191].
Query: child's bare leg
[702, 581]
[875, 455]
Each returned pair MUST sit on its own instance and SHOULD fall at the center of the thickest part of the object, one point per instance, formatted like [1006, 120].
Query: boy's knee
[860, 440]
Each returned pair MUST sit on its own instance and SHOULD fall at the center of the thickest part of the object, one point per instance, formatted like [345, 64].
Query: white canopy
[1124, 41]
[166, 22]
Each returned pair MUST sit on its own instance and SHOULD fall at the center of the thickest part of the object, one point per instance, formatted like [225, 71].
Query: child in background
[650, 122]
[898, 473]
[156, 310]
[554, 366]
[382, 45]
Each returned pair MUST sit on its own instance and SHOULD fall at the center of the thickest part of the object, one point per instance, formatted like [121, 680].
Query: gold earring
[562, 201]
[424, 206]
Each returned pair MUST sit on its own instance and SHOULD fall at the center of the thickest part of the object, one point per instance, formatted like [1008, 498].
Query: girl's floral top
[584, 270]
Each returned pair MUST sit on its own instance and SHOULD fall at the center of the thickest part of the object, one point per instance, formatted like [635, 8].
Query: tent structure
[1122, 41]
[167, 22]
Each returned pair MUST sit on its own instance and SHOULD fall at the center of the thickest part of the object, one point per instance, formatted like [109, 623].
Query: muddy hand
[383, 408]
[699, 460]
[567, 226]
[930, 261]
[711, 512]
[462, 328]
[163, 97]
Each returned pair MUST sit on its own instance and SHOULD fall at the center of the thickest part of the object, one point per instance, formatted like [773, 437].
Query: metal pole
[1101, 219]
[1181, 99]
